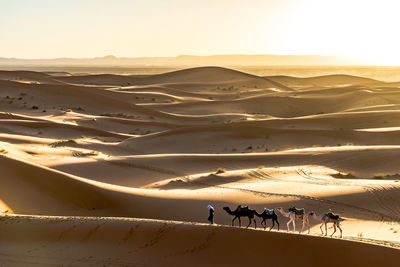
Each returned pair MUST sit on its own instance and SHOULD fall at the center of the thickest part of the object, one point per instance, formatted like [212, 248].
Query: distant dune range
[149, 146]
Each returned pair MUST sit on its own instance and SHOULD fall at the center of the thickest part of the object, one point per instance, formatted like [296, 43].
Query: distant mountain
[188, 60]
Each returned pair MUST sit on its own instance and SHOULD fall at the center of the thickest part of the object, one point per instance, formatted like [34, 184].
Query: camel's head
[311, 213]
[226, 208]
[279, 208]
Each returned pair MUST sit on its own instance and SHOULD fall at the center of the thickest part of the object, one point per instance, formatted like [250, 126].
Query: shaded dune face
[144, 242]
[165, 146]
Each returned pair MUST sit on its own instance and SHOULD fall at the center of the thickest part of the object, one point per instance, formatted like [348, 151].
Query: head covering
[210, 207]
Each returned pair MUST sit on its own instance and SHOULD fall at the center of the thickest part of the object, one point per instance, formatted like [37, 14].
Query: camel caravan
[294, 214]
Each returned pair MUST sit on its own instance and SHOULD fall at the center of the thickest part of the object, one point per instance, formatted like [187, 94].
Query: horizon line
[179, 55]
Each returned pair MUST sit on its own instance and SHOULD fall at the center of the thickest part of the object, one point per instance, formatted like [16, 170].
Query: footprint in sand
[65, 232]
[163, 230]
[129, 234]
[91, 232]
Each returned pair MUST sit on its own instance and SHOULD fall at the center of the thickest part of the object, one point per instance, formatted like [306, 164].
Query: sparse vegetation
[261, 167]
[387, 176]
[94, 152]
[118, 115]
[63, 143]
[379, 176]
[35, 107]
[220, 170]
[344, 175]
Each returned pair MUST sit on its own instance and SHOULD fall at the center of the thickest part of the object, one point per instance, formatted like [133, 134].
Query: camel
[293, 217]
[268, 214]
[328, 218]
[241, 212]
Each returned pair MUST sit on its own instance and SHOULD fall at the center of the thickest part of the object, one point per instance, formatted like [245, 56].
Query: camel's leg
[302, 226]
[334, 231]
[294, 224]
[249, 223]
[308, 225]
[265, 224]
[288, 223]
[240, 222]
[326, 228]
[233, 220]
[338, 225]
[273, 224]
[277, 224]
[322, 232]
[255, 224]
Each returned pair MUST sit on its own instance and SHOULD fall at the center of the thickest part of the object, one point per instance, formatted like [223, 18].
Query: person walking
[211, 216]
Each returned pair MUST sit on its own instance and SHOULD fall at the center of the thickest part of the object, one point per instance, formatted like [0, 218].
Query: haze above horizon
[363, 30]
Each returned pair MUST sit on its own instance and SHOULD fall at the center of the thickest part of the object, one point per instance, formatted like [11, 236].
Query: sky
[365, 29]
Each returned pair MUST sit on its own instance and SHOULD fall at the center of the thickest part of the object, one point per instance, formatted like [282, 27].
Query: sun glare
[362, 29]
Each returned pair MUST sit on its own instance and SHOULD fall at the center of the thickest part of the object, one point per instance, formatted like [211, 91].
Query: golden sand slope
[82, 241]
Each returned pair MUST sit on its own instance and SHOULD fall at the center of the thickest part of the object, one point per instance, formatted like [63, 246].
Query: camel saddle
[332, 215]
[243, 207]
[269, 212]
[297, 211]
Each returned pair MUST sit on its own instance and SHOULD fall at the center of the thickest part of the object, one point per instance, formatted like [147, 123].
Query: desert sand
[118, 170]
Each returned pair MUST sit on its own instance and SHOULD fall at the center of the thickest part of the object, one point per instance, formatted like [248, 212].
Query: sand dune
[49, 190]
[27, 77]
[215, 75]
[257, 138]
[162, 147]
[326, 80]
[285, 106]
[89, 241]
[67, 96]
